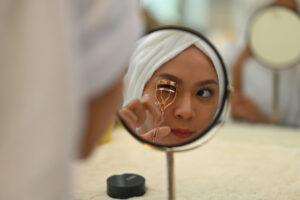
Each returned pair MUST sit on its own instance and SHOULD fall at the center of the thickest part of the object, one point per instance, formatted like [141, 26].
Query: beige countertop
[243, 161]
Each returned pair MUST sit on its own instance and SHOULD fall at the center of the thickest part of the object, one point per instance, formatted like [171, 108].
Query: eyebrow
[178, 80]
[207, 82]
[170, 77]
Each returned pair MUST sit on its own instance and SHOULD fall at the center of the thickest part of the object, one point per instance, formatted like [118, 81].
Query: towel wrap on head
[157, 48]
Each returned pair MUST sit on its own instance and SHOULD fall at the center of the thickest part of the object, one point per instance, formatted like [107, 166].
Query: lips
[182, 133]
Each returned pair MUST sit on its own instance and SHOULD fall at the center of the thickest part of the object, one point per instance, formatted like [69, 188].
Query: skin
[195, 104]
[244, 108]
[97, 122]
[291, 4]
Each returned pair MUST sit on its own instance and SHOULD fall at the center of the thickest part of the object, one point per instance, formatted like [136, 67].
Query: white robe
[258, 85]
[54, 56]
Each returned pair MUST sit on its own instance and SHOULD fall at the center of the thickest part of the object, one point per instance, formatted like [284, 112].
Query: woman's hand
[156, 133]
[134, 114]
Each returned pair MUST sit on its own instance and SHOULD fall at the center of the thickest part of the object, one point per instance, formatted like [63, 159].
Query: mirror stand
[275, 111]
[170, 169]
[174, 56]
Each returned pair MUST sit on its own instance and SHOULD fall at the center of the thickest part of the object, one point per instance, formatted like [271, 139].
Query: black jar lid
[124, 186]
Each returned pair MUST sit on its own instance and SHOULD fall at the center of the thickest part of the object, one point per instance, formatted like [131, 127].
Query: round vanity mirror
[274, 37]
[175, 89]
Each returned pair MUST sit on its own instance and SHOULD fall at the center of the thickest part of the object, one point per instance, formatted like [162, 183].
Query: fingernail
[164, 130]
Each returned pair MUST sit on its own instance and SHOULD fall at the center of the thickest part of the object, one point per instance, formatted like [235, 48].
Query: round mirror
[175, 88]
[274, 37]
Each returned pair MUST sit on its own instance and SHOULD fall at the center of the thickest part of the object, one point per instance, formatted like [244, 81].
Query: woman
[60, 88]
[253, 84]
[192, 66]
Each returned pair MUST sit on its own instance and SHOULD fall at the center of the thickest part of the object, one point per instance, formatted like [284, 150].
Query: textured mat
[244, 162]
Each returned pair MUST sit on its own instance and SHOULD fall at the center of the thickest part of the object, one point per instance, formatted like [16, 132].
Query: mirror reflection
[173, 88]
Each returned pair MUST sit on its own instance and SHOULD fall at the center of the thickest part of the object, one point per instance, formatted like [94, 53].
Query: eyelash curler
[165, 94]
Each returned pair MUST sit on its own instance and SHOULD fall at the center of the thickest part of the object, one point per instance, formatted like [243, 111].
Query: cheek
[205, 113]
[212, 106]
[169, 115]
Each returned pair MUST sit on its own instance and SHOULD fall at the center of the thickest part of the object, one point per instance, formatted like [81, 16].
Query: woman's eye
[204, 93]
[166, 87]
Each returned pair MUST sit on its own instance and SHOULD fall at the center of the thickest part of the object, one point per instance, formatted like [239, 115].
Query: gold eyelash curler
[165, 94]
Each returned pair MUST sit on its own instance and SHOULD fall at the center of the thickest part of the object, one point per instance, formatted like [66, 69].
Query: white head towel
[158, 48]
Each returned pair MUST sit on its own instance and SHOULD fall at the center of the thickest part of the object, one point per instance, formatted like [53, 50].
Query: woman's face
[197, 94]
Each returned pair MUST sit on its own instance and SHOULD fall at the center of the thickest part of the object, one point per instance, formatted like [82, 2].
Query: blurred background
[224, 22]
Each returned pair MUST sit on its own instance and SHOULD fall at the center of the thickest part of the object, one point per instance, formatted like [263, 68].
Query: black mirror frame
[225, 95]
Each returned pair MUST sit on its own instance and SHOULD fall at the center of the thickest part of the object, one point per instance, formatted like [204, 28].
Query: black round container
[124, 186]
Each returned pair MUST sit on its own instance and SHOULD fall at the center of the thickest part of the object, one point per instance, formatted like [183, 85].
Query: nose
[184, 108]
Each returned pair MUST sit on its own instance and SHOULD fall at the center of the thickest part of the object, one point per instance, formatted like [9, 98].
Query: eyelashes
[165, 93]
[166, 87]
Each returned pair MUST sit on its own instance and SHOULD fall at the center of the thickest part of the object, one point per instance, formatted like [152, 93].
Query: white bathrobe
[54, 56]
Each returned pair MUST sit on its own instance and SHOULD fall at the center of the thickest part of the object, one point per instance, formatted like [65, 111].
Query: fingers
[152, 108]
[129, 119]
[134, 113]
[161, 132]
[139, 110]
